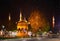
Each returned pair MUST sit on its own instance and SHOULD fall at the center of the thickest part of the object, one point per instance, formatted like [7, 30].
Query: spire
[53, 21]
[20, 16]
[9, 17]
[25, 19]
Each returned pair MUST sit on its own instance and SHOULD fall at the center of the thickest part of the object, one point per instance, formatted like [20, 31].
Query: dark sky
[48, 7]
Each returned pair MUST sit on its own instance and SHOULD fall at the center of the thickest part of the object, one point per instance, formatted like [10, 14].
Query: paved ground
[33, 39]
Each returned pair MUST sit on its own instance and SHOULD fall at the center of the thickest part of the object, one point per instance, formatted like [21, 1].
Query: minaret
[9, 23]
[53, 21]
[9, 17]
[25, 19]
[20, 16]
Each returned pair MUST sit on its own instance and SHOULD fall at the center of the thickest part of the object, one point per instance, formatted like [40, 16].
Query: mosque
[22, 27]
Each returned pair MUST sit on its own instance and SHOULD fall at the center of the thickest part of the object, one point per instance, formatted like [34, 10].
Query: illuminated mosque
[22, 27]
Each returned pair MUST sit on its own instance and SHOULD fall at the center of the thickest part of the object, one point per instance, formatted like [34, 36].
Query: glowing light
[3, 26]
[1, 33]
[29, 33]
[20, 16]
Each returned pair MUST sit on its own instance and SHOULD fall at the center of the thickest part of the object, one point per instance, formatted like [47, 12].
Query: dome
[22, 24]
[22, 27]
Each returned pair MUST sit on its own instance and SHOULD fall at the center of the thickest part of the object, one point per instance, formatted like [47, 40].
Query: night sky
[47, 7]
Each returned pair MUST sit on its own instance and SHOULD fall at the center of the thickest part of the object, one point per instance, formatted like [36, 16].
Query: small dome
[22, 23]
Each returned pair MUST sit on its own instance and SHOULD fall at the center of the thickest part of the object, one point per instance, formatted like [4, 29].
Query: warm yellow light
[20, 16]
[24, 27]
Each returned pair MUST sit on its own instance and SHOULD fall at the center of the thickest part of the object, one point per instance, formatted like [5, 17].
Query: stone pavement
[33, 39]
